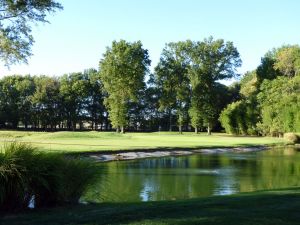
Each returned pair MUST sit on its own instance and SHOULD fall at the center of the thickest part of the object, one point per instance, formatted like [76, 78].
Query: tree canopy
[270, 103]
[16, 18]
[210, 61]
[122, 71]
[184, 93]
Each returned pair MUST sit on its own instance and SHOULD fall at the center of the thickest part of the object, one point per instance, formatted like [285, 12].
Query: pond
[199, 175]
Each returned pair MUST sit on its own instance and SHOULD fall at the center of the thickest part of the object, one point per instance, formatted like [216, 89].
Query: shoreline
[139, 154]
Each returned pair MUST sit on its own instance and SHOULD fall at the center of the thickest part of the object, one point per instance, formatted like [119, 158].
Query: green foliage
[288, 60]
[270, 103]
[172, 80]
[74, 92]
[47, 178]
[15, 99]
[280, 105]
[122, 71]
[266, 69]
[239, 117]
[16, 18]
[232, 118]
[44, 102]
[47, 101]
[249, 85]
[94, 100]
[204, 74]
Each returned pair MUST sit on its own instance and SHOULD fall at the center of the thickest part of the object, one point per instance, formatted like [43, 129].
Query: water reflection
[184, 177]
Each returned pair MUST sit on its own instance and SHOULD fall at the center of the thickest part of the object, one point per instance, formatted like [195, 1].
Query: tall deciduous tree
[266, 68]
[47, 102]
[16, 18]
[210, 61]
[94, 102]
[288, 60]
[15, 104]
[73, 89]
[172, 79]
[279, 101]
[122, 71]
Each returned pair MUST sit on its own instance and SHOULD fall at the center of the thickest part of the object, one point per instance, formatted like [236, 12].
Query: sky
[77, 36]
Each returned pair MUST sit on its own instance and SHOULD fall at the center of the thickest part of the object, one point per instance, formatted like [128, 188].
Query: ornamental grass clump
[45, 179]
[291, 138]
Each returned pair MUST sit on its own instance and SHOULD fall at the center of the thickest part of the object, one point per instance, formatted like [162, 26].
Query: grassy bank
[110, 141]
[279, 207]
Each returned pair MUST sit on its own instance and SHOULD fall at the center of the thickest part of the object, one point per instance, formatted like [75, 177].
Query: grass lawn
[280, 207]
[107, 141]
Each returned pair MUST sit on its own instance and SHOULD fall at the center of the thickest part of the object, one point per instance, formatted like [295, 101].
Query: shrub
[14, 192]
[291, 138]
[49, 178]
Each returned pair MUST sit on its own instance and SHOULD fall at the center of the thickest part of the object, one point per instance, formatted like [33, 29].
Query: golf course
[149, 112]
[269, 202]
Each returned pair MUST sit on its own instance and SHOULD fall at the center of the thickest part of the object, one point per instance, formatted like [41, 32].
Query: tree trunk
[208, 130]
[92, 125]
[180, 129]
[74, 125]
[170, 120]
[196, 130]
[118, 129]
[122, 130]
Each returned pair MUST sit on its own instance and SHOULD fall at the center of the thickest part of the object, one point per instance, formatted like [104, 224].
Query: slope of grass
[279, 207]
[101, 141]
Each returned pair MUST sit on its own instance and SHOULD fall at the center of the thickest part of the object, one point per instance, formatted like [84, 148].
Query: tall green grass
[50, 179]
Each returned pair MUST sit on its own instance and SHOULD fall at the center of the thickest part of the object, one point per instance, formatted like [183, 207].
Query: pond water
[200, 175]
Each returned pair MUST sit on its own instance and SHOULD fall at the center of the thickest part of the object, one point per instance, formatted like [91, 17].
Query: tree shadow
[275, 207]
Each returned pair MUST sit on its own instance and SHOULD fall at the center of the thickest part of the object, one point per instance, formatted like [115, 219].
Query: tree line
[183, 93]
[269, 101]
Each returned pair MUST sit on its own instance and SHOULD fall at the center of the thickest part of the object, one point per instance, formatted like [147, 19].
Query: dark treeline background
[265, 101]
[75, 102]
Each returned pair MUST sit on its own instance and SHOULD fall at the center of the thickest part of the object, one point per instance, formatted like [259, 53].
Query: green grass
[279, 207]
[110, 141]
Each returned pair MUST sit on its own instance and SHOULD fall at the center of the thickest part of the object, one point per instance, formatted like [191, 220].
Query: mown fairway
[106, 141]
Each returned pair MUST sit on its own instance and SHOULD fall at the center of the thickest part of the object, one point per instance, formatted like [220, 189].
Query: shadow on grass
[272, 208]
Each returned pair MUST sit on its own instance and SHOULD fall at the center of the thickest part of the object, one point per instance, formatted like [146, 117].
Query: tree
[15, 104]
[122, 71]
[279, 101]
[47, 102]
[151, 105]
[16, 18]
[94, 102]
[172, 79]
[26, 87]
[288, 60]
[241, 117]
[210, 61]
[74, 92]
[266, 68]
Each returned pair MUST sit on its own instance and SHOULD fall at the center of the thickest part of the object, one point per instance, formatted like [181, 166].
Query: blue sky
[78, 35]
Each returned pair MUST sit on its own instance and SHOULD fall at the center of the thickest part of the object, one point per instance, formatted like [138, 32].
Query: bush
[291, 138]
[49, 178]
